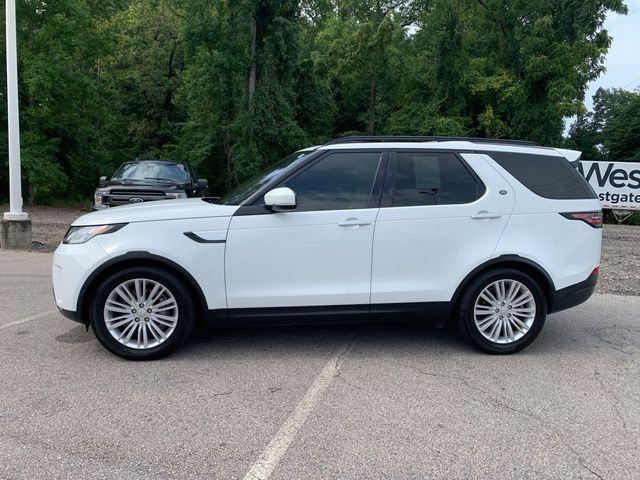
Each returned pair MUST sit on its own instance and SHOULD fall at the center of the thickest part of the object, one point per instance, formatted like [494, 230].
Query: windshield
[248, 188]
[152, 171]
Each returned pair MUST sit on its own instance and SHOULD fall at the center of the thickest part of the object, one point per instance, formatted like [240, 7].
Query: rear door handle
[484, 215]
[353, 222]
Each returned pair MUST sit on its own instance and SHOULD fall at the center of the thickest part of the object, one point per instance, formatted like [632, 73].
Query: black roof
[418, 138]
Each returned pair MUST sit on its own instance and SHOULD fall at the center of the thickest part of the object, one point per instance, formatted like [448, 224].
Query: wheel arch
[515, 262]
[137, 259]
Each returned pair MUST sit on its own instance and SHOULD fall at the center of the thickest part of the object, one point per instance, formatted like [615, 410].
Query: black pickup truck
[148, 180]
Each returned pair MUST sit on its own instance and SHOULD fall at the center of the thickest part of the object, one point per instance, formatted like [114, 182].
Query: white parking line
[28, 319]
[268, 460]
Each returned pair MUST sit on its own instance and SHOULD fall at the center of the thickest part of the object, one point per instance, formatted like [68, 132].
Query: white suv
[491, 234]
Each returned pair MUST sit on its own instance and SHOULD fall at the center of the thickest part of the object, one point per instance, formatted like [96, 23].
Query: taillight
[592, 218]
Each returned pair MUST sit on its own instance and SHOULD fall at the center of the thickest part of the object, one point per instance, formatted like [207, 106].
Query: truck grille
[121, 196]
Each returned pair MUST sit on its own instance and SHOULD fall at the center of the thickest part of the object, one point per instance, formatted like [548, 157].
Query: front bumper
[72, 265]
[574, 294]
[75, 316]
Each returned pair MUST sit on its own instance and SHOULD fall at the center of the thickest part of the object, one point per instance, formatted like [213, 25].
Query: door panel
[300, 259]
[318, 254]
[422, 253]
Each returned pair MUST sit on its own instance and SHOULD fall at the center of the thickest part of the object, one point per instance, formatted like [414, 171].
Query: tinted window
[251, 186]
[338, 181]
[427, 178]
[544, 175]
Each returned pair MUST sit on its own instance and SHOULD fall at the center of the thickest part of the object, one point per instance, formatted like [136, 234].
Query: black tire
[185, 313]
[467, 321]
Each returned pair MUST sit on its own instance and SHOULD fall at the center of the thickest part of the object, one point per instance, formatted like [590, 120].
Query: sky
[623, 60]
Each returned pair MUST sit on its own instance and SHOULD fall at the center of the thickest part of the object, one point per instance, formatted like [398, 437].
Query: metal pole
[15, 178]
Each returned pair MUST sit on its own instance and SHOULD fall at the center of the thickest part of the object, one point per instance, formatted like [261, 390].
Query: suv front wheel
[502, 311]
[142, 313]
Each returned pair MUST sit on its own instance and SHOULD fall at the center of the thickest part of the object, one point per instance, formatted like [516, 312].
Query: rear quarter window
[545, 175]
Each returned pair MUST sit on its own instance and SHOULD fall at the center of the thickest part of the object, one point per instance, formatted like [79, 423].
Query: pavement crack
[593, 472]
[614, 346]
[550, 426]
[616, 408]
[222, 394]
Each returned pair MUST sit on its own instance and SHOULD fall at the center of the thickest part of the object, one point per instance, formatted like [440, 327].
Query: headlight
[177, 195]
[98, 198]
[76, 235]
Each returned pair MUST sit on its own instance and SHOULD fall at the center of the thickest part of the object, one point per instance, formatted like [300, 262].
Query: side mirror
[103, 180]
[280, 199]
[202, 184]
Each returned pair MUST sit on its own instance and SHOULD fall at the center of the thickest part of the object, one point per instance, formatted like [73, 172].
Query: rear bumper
[574, 294]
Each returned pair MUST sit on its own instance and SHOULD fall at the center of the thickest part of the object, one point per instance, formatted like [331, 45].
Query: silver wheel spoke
[522, 327]
[116, 306]
[126, 334]
[522, 311]
[484, 326]
[139, 334]
[145, 337]
[508, 330]
[488, 297]
[495, 331]
[161, 322]
[513, 292]
[165, 305]
[137, 283]
[157, 333]
[132, 318]
[504, 311]
[164, 317]
[117, 324]
[156, 291]
[484, 309]
[125, 294]
[522, 299]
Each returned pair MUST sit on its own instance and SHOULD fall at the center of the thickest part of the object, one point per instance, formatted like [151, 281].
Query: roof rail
[417, 138]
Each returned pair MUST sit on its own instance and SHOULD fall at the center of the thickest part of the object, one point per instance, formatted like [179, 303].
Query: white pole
[15, 178]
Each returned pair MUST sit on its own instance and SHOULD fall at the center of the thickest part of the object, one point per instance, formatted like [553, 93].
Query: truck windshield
[152, 171]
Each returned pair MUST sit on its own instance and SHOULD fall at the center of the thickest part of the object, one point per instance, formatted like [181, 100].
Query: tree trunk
[168, 97]
[252, 69]
[371, 122]
[228, 89]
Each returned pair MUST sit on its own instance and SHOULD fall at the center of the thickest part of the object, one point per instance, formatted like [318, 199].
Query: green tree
[612, 130]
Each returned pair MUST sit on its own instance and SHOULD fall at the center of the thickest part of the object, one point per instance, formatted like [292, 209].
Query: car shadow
[316, 340]
[560, 336]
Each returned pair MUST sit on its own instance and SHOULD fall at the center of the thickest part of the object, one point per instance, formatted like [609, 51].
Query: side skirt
[430, 312]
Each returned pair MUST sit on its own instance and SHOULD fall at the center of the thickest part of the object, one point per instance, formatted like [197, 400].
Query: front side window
[430, 178]
[339, 181]
[242, 192]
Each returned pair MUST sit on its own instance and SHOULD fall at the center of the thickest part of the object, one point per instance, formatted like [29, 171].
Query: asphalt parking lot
[347, 402]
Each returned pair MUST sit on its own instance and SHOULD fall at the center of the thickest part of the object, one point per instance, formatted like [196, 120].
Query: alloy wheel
[141, 313]
[504, 311]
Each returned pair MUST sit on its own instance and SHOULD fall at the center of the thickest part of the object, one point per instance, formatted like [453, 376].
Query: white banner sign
[617, 184]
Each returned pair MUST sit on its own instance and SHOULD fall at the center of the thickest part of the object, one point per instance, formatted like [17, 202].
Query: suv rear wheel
[502, 311]
[142, 313]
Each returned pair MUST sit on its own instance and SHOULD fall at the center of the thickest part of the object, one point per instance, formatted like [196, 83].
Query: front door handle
[353, 222]
[484, 215]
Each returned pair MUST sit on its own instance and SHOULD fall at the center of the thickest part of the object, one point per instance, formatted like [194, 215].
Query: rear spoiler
[573, 156]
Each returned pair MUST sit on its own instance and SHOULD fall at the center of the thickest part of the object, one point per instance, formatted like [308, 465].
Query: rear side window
[546, 176]
[430, 178]
[338, 181]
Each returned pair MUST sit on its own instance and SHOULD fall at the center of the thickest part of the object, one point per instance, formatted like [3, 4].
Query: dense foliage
[232, 85]
[612, 130]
